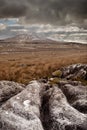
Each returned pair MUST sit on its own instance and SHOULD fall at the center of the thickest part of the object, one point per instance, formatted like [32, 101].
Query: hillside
[24, 61]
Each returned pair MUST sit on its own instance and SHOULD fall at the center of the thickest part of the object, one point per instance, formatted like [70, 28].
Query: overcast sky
[45, 11]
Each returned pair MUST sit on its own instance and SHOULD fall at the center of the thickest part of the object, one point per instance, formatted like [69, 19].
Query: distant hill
[21, 38]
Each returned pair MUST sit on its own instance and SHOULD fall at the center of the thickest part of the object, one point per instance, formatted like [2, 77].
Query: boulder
[60, 114]
[22, 112]
[76, 71]
[76, 93]
[9, 89]
[58, 103]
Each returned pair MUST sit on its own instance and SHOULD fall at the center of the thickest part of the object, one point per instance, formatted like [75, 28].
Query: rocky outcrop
[77, 71]
[9, 89]
[43, 105]
[22, 111]
[61, 115]
[76, 93]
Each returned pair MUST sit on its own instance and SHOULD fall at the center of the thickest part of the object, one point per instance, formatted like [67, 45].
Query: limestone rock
[22, 112]
[75, 71]
[76, 94]
[9, 89]
[58, 103]
[61, 115]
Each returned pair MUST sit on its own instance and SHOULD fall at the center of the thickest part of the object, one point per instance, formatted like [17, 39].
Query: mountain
[21, 38]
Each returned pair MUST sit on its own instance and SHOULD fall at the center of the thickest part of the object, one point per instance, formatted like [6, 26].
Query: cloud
[12, 8]
[2, 26]
[45, 11]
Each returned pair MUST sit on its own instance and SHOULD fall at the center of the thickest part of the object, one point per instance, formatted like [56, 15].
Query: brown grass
[23, 67]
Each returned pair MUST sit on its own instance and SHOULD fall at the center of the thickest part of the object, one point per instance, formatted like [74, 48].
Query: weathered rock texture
[44, 106]
[75, 71]
[76, 93]
[22, 111]
[62, 115]
[9, 89]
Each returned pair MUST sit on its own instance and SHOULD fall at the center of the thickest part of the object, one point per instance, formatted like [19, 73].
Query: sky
[56, 19]
[45, 11]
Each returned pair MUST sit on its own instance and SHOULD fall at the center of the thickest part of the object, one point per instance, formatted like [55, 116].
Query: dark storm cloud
[12, 8]
[51, 11]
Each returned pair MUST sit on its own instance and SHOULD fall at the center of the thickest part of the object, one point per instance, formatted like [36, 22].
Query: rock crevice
[45, 105]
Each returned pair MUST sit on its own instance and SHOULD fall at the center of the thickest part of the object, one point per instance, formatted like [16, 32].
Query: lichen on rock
[59, 103]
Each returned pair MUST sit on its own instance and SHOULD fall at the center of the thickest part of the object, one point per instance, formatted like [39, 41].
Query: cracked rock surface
[9, 89]
[44, 106]
[22, 112]
[75, 71]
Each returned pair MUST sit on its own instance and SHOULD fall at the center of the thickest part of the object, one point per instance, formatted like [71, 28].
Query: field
[22, 62]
